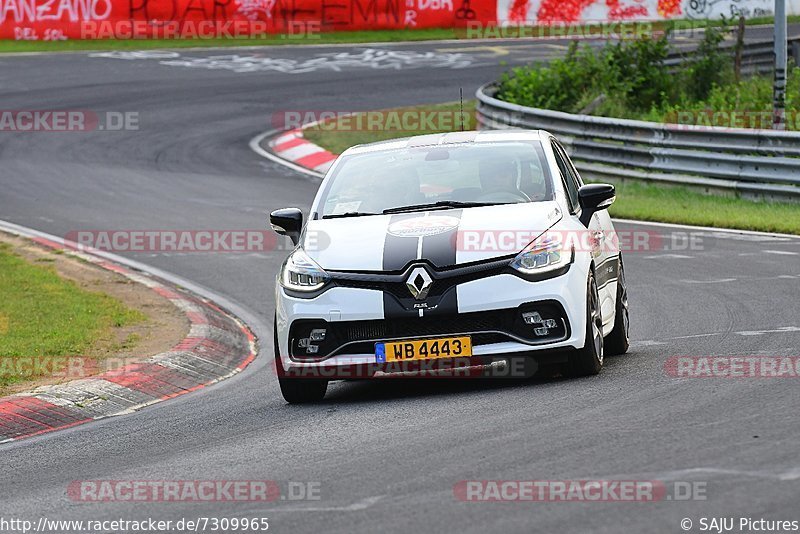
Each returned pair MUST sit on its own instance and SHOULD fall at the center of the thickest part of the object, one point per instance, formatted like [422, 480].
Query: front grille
[428, 326]
[358, 337]
[443, 280]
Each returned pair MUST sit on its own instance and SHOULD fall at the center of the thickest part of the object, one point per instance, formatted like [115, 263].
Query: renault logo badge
[419, 283]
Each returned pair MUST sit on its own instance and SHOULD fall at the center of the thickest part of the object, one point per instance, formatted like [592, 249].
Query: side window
[573, 170]
[567, 175]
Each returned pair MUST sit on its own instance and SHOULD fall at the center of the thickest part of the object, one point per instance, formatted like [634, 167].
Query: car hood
[445, 238]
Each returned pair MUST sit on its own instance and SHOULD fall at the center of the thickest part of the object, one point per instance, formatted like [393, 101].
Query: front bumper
[489, 310]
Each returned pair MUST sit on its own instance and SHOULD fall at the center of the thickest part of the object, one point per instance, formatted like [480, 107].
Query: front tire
[589, 360]
[297, 390]
[618, 341]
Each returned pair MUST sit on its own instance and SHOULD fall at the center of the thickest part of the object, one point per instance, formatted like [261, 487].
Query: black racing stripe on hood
[440, 249]
[398, 251]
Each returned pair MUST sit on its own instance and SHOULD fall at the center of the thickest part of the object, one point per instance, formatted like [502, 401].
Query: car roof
[451, 138]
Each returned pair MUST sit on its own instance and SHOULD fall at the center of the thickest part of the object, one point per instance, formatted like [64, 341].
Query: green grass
[44, 315]
[628, 81]
[755, 21]
[681, 205]
[744, 104]
[339, 135]
[639, 201]
[373, 36]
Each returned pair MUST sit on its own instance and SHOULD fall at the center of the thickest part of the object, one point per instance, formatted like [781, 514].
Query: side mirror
[593, 198]
[287, 221]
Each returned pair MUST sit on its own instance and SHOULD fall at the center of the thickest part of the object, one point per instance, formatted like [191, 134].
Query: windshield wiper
[348, 214]
[442, 204]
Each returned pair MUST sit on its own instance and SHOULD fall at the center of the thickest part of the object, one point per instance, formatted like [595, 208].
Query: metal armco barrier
[757, 57]
[762, 163]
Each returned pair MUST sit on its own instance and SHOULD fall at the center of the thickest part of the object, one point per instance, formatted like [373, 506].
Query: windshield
[441, 176]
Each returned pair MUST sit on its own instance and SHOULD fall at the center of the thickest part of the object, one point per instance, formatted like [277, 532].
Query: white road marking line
[699, 335]
[744, 279]
[743, 237]
[781, 252]
[654, 343]
[717, 281]
[668, 256]
[724, 233]
[355, 507]
[792, 473]
[781, 330]
[767, 278]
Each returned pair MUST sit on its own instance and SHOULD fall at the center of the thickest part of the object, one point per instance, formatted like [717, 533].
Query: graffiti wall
[97, 19]
[60, 19]
[549, 11]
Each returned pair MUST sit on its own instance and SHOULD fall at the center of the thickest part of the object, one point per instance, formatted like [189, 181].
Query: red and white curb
[292, 146]
[218, 346]
[291, 149]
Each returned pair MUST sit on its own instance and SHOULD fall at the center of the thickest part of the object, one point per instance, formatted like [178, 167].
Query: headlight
[545, 254]
[301, 273]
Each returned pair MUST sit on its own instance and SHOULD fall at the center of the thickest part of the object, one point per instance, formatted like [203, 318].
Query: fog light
[532, 318]
[303, 342]
[317, 335]
[542, 326]
[312, 349]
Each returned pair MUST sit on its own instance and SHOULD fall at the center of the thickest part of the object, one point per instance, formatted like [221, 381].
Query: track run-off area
[385, 455]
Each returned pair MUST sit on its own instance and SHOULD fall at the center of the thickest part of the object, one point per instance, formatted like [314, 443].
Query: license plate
[423, 349]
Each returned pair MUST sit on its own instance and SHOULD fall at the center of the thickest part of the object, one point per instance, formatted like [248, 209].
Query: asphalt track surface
[386, 454]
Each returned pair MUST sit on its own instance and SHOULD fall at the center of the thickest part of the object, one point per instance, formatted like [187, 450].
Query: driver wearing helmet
[499, 176]
[399, 187]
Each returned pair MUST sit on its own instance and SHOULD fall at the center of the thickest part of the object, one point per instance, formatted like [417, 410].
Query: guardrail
[753, 163]
[758, 57]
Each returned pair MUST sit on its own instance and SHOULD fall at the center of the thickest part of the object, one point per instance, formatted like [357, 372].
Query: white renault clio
[440, 253]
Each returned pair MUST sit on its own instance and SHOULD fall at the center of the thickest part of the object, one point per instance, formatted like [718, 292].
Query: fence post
[737, 63]
[781, 40]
